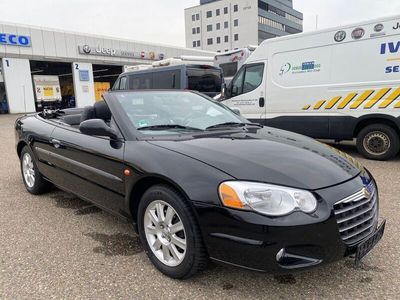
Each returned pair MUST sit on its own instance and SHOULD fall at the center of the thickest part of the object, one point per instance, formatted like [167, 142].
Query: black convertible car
[199, 182]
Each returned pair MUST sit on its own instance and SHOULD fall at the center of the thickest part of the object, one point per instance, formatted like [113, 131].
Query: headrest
[87, 114]
[102, 111]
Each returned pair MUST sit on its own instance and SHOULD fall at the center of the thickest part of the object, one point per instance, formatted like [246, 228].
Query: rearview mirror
[97, 127]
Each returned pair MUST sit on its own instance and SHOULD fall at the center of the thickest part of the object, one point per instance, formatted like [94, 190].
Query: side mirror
[234, 91]
[236, 110]
[97, 127]
[228, 92]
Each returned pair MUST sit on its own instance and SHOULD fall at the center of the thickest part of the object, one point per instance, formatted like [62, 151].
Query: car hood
[270, 155]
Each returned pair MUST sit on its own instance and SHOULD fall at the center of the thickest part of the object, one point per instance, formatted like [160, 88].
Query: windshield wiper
[169, 126]
[233, 124]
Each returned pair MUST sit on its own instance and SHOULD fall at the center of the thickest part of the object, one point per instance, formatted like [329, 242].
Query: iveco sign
[15, 40]
[104, 51]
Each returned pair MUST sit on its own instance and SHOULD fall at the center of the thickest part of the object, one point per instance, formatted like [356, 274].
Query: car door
[89, 166]
[247, 93]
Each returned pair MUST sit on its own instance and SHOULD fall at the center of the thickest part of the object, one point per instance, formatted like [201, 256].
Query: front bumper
[279, 245]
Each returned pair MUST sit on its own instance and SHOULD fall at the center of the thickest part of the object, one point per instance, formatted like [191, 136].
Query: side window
[140, 82]
[122, 83]
[237, 83]
[253, 77]
[167, 80]
[116, 85]
[247, 79]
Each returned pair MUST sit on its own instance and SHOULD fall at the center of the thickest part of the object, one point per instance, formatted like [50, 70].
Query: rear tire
[378, 142]
[177, 253]
[33, 180]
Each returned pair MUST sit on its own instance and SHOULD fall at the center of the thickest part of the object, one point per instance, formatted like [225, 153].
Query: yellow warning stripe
[389, 100]
[319, 104]
[364, 96]
[397, 105]
[377, 97]
[306, 107]
[333, 102]
[347, 100]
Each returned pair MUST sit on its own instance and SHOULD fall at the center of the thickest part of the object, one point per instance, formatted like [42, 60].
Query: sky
[162, 21]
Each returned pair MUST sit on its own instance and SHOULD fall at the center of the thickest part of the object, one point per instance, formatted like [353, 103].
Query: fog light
[280, 254]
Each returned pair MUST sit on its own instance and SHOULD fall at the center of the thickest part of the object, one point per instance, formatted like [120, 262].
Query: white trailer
[47, 91]
[338, 84]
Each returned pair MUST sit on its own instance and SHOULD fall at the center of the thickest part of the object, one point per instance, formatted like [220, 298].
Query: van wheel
[378, 142]
[170, 234]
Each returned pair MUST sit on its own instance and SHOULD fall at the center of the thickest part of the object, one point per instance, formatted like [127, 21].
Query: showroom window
[209, 14]
[209, 27]
[236, 22]
[209, 41]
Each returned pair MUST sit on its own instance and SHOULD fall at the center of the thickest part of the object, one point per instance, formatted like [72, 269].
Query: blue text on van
[391, 47]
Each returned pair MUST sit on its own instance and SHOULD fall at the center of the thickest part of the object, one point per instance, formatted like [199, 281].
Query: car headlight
[268, 199]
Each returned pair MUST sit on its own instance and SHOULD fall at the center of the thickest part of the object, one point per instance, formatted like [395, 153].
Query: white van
[338, 84]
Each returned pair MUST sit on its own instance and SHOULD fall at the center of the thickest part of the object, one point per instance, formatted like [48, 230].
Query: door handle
[261, 102]
[56, 143]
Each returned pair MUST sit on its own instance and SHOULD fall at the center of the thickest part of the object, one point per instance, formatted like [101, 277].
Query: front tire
[33, 180]
[169, 233]
[378, 142]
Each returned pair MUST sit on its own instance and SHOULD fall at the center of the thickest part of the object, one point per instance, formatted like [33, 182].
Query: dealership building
[85, 65]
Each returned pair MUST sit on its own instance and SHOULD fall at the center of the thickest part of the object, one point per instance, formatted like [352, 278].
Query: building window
[193, 17]
[193, 30]
[226, 24]
[225, 10]
[235, 8]
[226, 39]
[219, 51]
[218, 25]
[271, 23]
[194, 44]
[226, 50]
[209, 41]
[209, 14]
[236, 37]
[197, 17]
[218, 40]
[218, 12]
[236, 22]
[209, 27]
[198, 29]
[198, 43]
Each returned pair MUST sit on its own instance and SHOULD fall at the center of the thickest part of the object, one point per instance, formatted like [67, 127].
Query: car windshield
[160, 113]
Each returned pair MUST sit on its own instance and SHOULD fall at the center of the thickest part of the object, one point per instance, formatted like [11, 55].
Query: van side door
[247, 92]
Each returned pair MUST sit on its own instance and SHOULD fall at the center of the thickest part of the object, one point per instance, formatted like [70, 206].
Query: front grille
[357, 215]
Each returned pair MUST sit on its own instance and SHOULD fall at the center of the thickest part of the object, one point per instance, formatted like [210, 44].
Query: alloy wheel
[28, 170]
[165, 233]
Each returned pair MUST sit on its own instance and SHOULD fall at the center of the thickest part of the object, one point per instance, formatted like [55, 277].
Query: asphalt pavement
[58, 246]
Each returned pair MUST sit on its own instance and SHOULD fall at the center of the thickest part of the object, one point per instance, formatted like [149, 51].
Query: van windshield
[207, 81]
